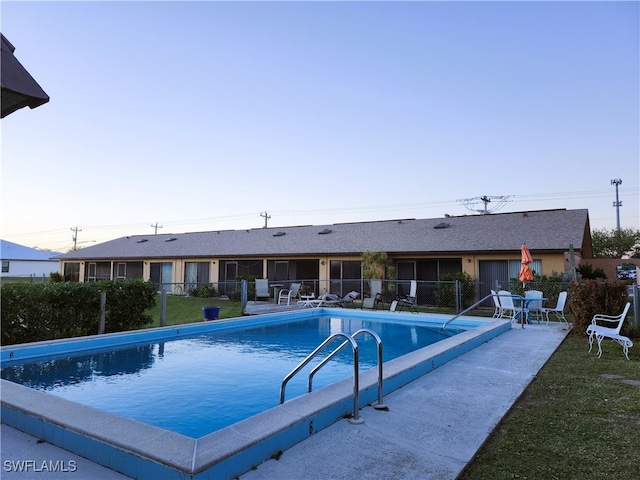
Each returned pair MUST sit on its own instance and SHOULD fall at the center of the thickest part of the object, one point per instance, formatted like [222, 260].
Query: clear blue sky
[202, 115]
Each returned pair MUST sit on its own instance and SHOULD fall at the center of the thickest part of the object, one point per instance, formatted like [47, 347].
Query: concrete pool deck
[433, 428]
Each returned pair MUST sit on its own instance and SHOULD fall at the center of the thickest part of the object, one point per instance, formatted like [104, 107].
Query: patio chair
[374, 298]
[558, 311]
[262, 288]
[599, 332]
[329, 300]
[497, 312]
[289, 294]
[507, 307]
[533, 307]
[409, 301]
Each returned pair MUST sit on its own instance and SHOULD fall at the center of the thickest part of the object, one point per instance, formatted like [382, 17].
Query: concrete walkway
[433, 428]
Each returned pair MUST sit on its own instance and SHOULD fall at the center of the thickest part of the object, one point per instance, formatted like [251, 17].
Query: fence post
[243, 296]
[636, 304]
[458, 296]
[103, 312]
[163, 308]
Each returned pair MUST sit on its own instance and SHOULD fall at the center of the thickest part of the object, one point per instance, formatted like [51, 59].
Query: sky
[198, 116]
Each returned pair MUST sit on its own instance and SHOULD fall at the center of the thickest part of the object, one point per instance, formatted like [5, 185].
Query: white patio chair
[497, 312]
[507, 307]
[558, 311]
[599, 332]
[375, 295]
[533, 306]
[289, 294]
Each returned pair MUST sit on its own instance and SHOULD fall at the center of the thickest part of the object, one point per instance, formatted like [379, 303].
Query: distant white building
[21, 261]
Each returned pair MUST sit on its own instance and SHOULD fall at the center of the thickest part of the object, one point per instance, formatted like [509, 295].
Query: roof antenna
[486, 199]
[266, 217]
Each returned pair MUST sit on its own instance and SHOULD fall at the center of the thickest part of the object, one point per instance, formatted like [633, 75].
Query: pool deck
[433, 428]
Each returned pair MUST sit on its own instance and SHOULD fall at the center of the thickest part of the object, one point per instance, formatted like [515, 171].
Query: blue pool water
[200, 384]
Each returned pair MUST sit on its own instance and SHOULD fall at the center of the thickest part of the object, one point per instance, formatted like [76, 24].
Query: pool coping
[143, 451]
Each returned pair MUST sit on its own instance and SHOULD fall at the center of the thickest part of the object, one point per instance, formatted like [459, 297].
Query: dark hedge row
[50, 311]
[590, 297]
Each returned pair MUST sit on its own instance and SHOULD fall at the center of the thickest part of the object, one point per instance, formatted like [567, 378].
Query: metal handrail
[356, 381]
[378, 340]
[444, 326]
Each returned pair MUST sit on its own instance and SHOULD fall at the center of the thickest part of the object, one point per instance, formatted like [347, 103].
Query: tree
[616, 244]
[377, 265]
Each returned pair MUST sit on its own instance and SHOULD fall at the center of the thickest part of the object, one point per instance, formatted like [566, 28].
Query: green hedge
[590, 297]
[50, 311]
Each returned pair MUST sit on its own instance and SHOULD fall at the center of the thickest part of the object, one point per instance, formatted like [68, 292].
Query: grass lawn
[579, 419]
[189, 309]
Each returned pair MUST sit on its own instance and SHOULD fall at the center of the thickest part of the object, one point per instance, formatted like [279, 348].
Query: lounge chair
[409, 301]
[262, 288]
[558, 311]
[289, 294]
[599, 332]
[329, 300]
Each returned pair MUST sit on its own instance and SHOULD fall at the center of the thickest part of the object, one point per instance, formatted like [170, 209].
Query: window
[5, 266]
[196, 273]
[121, 270]
[72, 272]
[345, 276]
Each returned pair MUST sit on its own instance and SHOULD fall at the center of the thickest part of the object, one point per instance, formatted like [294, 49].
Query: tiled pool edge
[115, 442]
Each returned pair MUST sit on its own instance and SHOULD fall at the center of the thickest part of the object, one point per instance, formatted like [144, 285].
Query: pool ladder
[350, 340]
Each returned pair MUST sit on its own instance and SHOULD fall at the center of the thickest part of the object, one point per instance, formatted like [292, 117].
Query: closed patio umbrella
[19, 89]
[525, 275]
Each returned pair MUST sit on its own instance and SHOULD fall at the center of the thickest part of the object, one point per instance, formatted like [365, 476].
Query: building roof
[19, 89]
[14, 252]
[548, 231]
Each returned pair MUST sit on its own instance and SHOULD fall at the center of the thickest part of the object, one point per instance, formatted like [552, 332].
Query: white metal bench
[600, 332]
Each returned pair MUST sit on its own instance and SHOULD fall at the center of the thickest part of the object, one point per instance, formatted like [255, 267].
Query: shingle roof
[15, 252]
[549, 230]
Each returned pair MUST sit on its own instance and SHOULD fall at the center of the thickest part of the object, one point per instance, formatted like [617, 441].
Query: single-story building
[487, 247]
[21, 261]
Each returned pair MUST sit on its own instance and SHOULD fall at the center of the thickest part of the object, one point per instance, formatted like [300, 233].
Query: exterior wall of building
[551, 262]
[25, 268]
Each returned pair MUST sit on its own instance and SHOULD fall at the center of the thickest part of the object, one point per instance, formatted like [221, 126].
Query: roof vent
[142, 240]
[442, 225]
[279, 234]
[171, 239]
[325, 231]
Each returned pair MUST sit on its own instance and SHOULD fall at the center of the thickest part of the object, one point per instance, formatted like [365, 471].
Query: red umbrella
[525, 275]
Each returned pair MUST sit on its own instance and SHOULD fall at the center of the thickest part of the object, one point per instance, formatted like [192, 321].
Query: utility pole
[617, 203]
[486, 200]
[156, 227]
[75, 231]
[266, 217]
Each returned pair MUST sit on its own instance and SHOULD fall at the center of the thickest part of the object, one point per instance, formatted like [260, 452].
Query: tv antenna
[470, 203]
[266, 217]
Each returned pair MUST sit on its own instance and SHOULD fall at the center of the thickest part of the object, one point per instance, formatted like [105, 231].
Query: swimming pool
[145, 451]
[202, 383]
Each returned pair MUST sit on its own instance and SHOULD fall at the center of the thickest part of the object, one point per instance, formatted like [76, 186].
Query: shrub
[204, 290]
[590, 297]
[589, 273]
[35, 312]
[445, 293]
